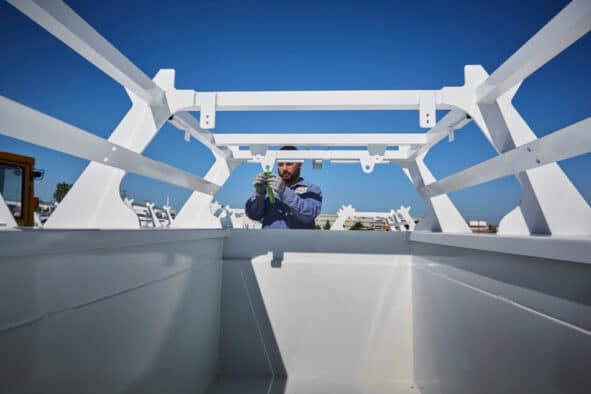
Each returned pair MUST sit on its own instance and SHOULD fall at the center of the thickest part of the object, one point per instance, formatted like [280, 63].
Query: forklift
[17, 176]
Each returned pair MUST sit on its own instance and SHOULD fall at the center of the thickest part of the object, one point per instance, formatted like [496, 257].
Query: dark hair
[288, 147]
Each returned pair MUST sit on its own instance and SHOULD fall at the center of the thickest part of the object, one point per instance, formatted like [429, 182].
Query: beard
[290, 179]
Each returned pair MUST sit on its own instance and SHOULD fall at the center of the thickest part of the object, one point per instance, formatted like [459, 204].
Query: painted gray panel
[575, 248]
[337, 320]
[160, 338]
[44, 241]
[249, 243]
[38, 284]
[125, 319]
[248, 349]
[348, 312]
[558, 288]
[467, 341]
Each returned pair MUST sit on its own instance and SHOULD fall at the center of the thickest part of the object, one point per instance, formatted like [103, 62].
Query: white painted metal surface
[319, 139]
[317, 100]
[109, 311]
[299, 320]
[292, 311]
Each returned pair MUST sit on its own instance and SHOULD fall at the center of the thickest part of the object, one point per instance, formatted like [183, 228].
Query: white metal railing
[484, 99]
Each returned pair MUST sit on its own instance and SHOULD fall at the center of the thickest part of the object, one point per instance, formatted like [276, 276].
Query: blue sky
[304, 45]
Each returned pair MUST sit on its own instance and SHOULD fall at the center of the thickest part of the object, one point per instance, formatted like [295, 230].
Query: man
[297, 202]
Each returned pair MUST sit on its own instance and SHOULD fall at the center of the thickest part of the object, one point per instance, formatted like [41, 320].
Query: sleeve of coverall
[255, 207]
[305, 206]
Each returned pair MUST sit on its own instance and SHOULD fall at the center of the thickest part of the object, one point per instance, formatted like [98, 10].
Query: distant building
[481, 226]
[321, 219]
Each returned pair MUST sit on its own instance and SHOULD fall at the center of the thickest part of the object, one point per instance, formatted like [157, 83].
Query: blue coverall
[297, 208]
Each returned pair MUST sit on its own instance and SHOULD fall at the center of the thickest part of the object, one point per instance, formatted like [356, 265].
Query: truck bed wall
[190, 311]
[109, 311]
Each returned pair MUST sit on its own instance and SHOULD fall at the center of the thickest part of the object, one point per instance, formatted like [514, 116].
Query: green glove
[269, 189]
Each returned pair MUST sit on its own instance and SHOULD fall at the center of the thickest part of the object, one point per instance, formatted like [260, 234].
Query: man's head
[289, 171]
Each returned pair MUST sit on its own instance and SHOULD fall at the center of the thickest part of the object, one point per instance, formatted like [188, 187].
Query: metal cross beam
[319, 139]
[318, 100]
[568, 142]
[343, 156]
[26, 124]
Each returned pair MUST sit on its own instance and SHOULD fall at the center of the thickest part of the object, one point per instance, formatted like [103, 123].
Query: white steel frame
[550, 203]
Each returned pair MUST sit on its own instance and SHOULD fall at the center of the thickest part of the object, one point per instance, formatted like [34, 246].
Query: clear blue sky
[304, 45]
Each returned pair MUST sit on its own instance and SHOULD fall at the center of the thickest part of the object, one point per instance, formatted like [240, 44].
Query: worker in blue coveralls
[297, 202]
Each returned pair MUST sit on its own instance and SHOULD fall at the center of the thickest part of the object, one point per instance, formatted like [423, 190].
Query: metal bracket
[375, 154]
[316, 164]
[368, 162]
[207, 115]
[269, 161]
[450, 134]
[265, 158]
[427, 114]
[187, 136]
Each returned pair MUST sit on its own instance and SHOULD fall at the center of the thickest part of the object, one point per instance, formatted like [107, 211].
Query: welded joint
[179, 100]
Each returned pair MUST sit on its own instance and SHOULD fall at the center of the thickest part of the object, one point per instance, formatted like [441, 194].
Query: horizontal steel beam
[309, 139]
[570, 24]
[26, 124]
[352, 156]
[319, 100]
[61, 21]
[568, 142]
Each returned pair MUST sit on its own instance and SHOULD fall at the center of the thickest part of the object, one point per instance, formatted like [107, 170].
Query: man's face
[289, 172]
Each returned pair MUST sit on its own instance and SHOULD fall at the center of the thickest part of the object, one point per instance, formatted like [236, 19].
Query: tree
[327, 225]
[60, 191]
[357, 226]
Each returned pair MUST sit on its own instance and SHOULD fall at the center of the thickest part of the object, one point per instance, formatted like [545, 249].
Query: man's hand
[276, 184]
[260, 184]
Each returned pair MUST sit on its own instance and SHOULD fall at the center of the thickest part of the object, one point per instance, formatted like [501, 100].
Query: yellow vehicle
[17, 175]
